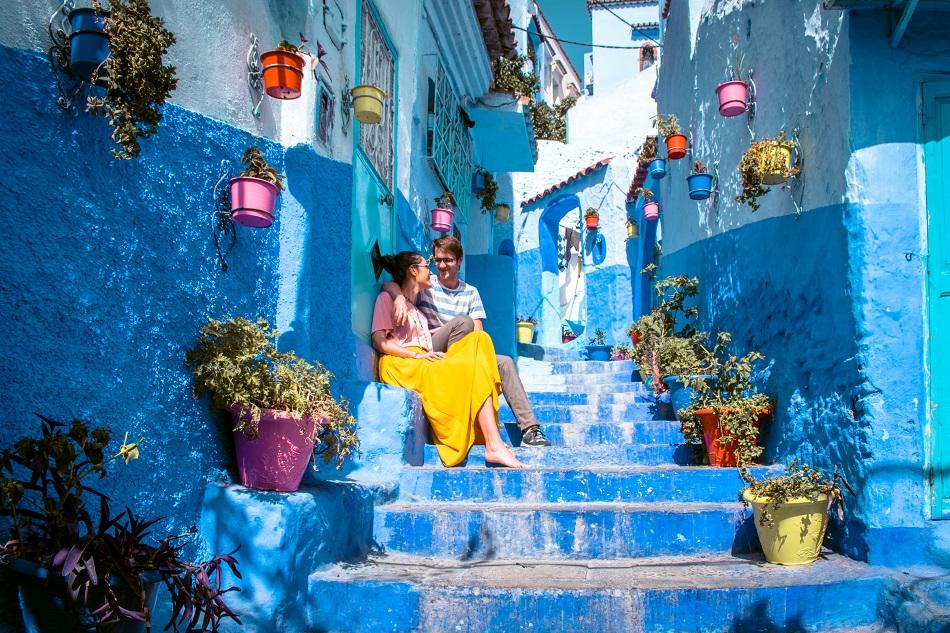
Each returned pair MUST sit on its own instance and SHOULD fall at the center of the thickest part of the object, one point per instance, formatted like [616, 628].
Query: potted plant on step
[728, 412]
[443, 213]
[137, 83]
[632, 333]
[621, 352]
[78, 566]
[283, 69]
[591, 219]
[699, 182]
[791, 511]
[655, 165]
[254, 192]
[281, 405]
[597, 348]
[651, 209]
[766, 162]
[733, 94]
[668, 126]
[525, 329]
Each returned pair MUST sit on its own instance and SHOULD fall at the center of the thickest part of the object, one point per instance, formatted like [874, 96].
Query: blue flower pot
[657, 168]
[598, 352]
[700, 186]
[88, 43]
[478, 182]
[680, 395]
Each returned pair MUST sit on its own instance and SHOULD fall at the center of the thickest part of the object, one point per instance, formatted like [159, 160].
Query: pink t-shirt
[414, 332]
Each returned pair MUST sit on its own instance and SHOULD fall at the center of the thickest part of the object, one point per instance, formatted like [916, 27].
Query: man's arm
[400, 305]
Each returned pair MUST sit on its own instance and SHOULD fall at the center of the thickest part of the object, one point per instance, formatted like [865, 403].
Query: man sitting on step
[451, 297]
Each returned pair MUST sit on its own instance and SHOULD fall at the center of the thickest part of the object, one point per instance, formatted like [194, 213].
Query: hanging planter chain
[255, 77]
[222, 226]
[68, 85]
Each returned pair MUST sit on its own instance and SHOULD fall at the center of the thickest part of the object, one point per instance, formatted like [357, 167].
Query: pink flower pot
[732, 98]
[442, 219]
[278, 457]
[252, 201]
[651, 211]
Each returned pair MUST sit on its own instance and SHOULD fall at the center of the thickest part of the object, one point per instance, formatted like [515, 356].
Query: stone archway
[549, 232]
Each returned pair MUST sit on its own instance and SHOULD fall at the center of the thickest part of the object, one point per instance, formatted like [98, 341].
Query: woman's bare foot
[502, 456]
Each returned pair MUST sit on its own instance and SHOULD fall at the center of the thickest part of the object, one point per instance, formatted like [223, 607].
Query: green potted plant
[524, 328]
[668, 126]
[254, 192]
[591, 219]
[766, 162]
[486, 194]
[281, 405]
[282, 69]
[791, 511]
[510, 76]
[621, 352]
[79, 566]
[597, 347]
[137, 83]
[728, 412]
[649, 159]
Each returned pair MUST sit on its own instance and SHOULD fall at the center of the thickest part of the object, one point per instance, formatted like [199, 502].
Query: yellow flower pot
[368, 103]
[798, 532]
[775, 164]
[525, 330]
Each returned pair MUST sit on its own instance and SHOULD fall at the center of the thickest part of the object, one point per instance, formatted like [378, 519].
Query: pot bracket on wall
[334, 24]
[223, 230]
[255, 77]
[67, 83]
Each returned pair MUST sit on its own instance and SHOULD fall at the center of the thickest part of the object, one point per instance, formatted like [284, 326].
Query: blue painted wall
[109, 272]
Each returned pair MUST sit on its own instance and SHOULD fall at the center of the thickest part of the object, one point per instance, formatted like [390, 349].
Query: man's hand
[434, 356]
[400, 310]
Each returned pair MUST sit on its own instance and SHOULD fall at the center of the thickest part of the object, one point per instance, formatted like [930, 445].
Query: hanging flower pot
[368, 103]
[675, 146]
[525, 330]
[88, 43]
[277, 458]
[633, 229]
[478, 182]
[443, 213]
[766, 162]
[700, 183]
[591, 219]
[657, 169]
[719, 454]
[651, 211]
[778, 162]
[502, 211]
[253, 201]
[283, 73]
[733, 97]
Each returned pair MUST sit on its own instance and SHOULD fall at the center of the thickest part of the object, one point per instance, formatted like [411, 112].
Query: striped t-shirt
[440, 304]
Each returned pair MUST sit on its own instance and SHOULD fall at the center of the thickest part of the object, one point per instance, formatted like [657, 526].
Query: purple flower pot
[278, 457]
[253, 201]
[651, 211]
[442, 219]
[732, 97]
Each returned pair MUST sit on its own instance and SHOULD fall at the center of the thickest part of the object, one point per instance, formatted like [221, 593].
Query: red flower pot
[635, 338]
[720, 455]
[592, 221]
[676, 146]
[283, 73]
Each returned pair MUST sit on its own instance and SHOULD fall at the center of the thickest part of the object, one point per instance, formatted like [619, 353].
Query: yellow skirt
[453, 391]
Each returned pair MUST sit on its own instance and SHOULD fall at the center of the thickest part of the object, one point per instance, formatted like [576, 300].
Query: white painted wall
[212, 43]
[614, 120]
[807, 90]
[613, 67]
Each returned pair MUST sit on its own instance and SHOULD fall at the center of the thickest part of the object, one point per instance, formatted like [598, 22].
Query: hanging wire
[611, 11]
[563, 41]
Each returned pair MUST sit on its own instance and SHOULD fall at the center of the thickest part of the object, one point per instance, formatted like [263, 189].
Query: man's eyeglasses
[443, 260]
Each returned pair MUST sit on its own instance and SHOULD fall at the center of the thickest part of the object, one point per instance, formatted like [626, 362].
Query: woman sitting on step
[459, 389]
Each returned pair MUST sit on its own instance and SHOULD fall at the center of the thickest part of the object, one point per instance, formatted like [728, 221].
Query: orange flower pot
[592, 222]
[283, 73]
[719, 454]
[676, 146]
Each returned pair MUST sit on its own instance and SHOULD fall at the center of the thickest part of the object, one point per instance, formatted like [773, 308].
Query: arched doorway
[563, 296]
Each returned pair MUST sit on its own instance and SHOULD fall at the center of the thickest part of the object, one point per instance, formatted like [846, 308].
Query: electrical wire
[563, 41]
[611, 11]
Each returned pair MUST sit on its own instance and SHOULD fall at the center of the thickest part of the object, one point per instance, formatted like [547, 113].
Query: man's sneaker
[534, 437]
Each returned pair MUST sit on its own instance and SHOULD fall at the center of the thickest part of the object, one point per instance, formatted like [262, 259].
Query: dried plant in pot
[791, 511]
[699, 182]
[668, 126]
[766, 162]
[254, 192]
[597, 346]
[136, 81]
[78, 566]
[733, 94]
[281, 405]
[651, 208]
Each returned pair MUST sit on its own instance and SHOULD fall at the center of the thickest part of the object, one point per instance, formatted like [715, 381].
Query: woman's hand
[400, 310]
[431, 356]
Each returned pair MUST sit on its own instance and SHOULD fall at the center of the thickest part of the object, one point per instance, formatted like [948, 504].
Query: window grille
[451, 145]
[647, 56]
[325, 113]
[378, 67]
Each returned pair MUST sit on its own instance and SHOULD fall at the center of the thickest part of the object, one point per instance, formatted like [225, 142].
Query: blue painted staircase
[608, 530]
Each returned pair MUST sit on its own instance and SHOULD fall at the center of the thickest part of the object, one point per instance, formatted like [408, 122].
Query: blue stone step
[597, 388]
[539, 352]
[563, 398]
[533, 367]
[594, 484]
[588, 413]
[562, 530]
[582, 456]
[580, 381]
[666, 595]
[587, 433]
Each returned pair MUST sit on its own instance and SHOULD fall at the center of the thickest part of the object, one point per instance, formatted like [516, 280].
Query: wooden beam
[901, 27]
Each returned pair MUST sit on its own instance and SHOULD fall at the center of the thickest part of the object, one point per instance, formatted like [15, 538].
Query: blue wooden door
[936, 132]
